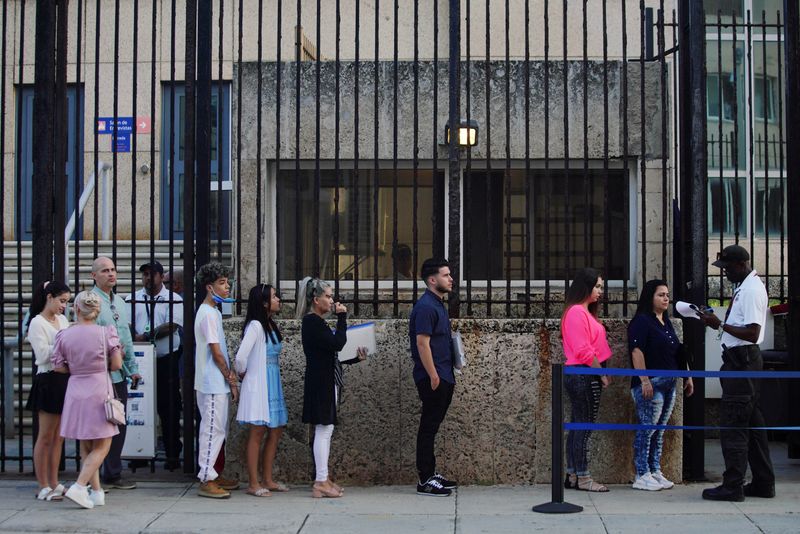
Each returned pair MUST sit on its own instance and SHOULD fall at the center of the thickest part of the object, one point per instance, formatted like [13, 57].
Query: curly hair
[87, 305]
[210, 273]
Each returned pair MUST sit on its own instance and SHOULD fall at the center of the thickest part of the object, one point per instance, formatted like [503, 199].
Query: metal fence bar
[468, 170]
[548, 187]
[662, 65]
[298, 266]
[489, 175]
[337, 149]
[278, 102]
[376, 171]
[528, 178]
[396, 88]
[7, 386]
[317, 176]
[193, 256]
[765, 93]
[735, 152]
[356, 180]
[606, 163]
[507, 171]
[783, 177]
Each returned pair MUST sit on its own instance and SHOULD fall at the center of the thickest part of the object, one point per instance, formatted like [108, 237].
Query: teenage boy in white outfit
[214, 379]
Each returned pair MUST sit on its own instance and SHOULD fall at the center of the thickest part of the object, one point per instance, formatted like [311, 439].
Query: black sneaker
[751, 490]
[446, 484]
[433, 488]
[721, 493]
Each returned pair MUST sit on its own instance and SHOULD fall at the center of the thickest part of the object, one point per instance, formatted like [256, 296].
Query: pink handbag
[115, 411]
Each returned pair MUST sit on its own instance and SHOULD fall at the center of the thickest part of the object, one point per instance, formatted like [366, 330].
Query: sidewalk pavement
[175, 507]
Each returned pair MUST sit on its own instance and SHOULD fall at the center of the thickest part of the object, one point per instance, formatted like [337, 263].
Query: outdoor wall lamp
[467, 133]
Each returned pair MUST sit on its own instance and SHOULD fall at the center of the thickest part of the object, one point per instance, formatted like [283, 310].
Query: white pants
[213, 428]
[322, 449]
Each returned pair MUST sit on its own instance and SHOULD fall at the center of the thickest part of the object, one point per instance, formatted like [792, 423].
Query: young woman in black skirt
[47, 393]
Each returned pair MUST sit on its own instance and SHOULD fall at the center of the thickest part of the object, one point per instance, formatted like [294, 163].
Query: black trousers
[434, 408]
[739, 408]
[112, 465]
[169, 403]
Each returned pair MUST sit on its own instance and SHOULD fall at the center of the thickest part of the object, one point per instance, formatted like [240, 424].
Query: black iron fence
[292, 138]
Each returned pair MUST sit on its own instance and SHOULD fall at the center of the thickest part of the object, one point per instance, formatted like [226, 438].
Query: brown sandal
[587, 484]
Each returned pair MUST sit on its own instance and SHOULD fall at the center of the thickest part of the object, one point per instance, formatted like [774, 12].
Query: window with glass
[563, 224]
[746, 117]
[358, 219]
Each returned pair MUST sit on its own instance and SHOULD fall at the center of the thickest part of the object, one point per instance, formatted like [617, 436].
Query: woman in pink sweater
[585, 345]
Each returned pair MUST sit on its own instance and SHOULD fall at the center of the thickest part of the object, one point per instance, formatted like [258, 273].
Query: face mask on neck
[220, 300]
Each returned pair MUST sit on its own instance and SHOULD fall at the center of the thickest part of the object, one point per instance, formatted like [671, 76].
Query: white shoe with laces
[647, 482]
[98, 497]
[79, 495]
[659, 477]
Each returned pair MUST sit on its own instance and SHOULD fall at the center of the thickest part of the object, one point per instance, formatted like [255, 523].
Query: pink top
[583, 337]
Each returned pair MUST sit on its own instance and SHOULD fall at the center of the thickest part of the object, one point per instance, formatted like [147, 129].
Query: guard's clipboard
[360, 335]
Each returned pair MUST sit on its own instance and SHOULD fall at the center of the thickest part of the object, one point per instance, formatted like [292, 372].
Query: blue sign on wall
[105, 125]
[121, 142]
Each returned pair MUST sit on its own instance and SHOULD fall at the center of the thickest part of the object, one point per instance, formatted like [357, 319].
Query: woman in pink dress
[87, 352]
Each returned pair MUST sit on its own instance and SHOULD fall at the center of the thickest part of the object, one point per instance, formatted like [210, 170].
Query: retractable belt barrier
[557, 504]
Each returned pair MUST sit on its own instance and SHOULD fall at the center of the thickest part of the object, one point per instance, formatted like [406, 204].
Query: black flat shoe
[721, 493]
[765, 492]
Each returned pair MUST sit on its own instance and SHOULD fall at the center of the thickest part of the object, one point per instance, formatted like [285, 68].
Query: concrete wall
[496, 432]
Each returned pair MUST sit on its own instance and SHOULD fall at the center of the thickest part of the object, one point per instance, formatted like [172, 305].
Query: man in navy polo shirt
[429, 335]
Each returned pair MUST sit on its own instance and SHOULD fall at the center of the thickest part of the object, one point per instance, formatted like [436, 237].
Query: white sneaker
[79, 495]
[659, 477]
[98, 497]
[647, 482]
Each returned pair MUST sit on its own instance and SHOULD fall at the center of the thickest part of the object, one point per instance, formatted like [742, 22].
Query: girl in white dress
[261, 403]
[49, 388]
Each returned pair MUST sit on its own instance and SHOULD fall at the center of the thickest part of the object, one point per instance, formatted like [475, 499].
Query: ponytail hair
[309, 289]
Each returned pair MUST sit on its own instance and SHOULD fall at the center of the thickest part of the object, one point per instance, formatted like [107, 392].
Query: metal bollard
[557, 504]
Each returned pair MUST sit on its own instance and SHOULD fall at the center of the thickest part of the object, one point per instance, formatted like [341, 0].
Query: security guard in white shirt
[740, 334]
[156, 323]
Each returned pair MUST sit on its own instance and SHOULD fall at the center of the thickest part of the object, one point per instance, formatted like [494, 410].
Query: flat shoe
[260, 492]
[570, 483]
[319, 493]
[591, 486]
[57, 494]
[278, 488]
[43, 493]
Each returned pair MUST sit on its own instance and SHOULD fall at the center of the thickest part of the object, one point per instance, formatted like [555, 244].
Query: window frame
[633, 168]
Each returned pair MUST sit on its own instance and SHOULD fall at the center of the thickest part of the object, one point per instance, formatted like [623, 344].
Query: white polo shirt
[749, 307]
[159, 308]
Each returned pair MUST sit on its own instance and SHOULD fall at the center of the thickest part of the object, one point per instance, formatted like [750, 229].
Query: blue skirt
[278, 415]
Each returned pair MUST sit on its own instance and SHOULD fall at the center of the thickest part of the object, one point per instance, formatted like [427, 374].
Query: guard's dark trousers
[739, 408]
[112, 465]
[434, 407]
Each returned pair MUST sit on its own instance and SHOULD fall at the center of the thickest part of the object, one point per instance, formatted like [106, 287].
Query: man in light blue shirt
[113, 311]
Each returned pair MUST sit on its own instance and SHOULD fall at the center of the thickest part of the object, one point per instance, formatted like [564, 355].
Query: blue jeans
[584, 396]
[647, 444]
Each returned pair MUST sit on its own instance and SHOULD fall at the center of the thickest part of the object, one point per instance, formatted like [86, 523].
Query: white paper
[360, 335]
[688, 310]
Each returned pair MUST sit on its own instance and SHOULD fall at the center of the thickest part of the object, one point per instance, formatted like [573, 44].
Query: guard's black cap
[153, 266]
[731, 254]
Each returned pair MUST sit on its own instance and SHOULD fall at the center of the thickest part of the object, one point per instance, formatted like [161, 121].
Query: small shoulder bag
[115, 411]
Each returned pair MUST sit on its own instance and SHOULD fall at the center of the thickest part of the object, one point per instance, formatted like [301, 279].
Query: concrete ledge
[496, 432]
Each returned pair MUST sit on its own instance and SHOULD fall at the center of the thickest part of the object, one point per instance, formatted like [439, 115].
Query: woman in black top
[323, 378]
[653, 344]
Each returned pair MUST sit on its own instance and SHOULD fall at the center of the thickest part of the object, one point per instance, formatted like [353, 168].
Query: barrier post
[557, 504]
